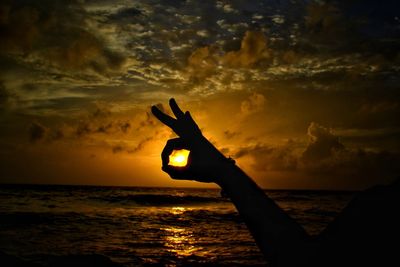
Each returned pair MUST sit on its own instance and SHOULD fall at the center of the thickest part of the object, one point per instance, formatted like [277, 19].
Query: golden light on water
[179, 158]
[180, 240]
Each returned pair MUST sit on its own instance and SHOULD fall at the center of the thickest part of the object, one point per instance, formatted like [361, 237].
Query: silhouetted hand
[281, 239]
[204, 159]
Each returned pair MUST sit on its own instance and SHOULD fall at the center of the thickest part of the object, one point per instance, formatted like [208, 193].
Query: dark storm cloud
[270, 158]
[55, 33]
[322, 143]
[349, 26]
[325, 157]
[199, 46]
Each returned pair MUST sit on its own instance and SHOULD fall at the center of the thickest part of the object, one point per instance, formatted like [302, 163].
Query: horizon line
[175, 187]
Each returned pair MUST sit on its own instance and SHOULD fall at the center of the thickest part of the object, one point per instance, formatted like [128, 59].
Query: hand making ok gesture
[204, 159]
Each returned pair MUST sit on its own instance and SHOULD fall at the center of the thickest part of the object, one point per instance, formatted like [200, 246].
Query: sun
[179, 158]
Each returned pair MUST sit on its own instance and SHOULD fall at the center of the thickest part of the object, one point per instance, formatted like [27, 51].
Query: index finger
[172, 144]
[164, 118]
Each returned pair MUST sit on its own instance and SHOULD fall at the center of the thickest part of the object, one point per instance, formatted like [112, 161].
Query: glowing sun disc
[179, 158]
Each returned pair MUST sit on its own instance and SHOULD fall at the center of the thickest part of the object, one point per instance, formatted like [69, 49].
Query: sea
[143, 226]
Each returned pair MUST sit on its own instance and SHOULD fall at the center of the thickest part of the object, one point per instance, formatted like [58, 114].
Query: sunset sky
[302, 94]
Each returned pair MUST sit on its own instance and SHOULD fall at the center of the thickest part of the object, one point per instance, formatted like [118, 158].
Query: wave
[58, 260]
[15, 219]
[24, 218]
[158, 199]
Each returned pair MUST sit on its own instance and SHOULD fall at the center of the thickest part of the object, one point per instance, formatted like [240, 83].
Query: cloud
[8, 99]
[107, 127]
[102, 127]
[54, 33]
[146, 128]
[352, 27]
[4, 95]
[118, 149]
[322, 144]
[125, 14]
[355, 167]
[209, 60]
[102, 110]
[123, 147]
[37, 132]
[125, 126]
[322, 61]
[324, 158]
[148, 120]
[253, 104]
[82, 51]
[270, 158]
[230, 134]
[203, 62]
[324, 21]
[253, 50]
[379, 107]
[40, 133]
[20, 27]
[142, 143]
[101, 120]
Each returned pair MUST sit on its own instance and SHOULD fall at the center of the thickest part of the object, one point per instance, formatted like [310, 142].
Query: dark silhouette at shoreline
[364, 234]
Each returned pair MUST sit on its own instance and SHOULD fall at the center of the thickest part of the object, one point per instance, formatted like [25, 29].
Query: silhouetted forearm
[281, 239]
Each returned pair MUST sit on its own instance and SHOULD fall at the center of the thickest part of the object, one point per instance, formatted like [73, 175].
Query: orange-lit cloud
[77, 79]
[253, 104]
[253, 49]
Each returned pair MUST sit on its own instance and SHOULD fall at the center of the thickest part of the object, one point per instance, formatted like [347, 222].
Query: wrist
[223, 171]
[217, 166]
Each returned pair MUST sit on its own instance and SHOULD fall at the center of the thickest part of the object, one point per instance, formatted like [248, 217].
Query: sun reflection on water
[179, 240]
[178, 210]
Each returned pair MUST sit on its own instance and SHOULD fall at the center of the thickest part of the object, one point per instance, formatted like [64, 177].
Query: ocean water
[137, 226]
